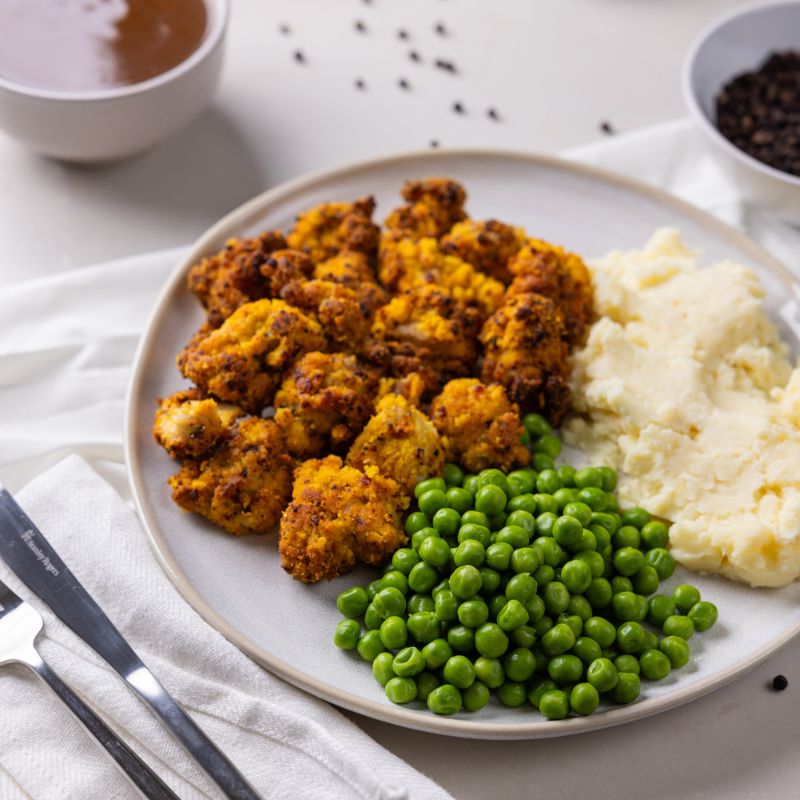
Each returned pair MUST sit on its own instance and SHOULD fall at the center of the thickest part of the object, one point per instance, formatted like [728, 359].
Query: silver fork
[20, 624]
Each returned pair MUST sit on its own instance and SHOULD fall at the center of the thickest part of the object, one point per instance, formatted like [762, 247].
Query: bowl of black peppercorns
[741, 82]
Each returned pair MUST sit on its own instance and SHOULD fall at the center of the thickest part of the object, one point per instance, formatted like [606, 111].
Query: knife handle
[142, 777]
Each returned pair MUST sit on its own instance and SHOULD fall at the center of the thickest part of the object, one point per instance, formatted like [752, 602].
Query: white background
[554, 70]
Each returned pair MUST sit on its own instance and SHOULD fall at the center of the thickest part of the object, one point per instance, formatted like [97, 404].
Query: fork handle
[145, 780]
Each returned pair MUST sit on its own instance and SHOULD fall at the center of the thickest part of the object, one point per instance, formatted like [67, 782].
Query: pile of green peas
[532, 585]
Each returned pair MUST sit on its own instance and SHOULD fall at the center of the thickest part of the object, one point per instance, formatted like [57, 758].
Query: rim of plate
[246, 214]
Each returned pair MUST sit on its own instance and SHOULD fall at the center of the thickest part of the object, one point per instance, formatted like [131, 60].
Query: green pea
[419, 537]
[548, 444]
[554, 704]
[654, 664]
[424, 626]
[432, 500]
[473, 613]
[679, 625]
[346, 634]
[602, 538]
[576, 575]
[470, 551]
[445, 606]
[572, 621]
[496, 603]
[498, 555]
[589, 477]
[489, 671]
[579, 607]
[478, 533]
[545, 522]
[538, 687]
[524, 636]
[461, 638]
[512, 694]
[422, 578]
[512, 616]
[703, 614]
[548, 482]
[416, 522]
[536, 425]
[426, 683]
[627, 690]
[427, 485]
[522, 519]
[627, 536]
[645, 581]
[619, 584]
[604, 520]
[490, 579]
[490, 499]
[579, 511]
[599, 593]
[519, 664]
[396, 579]
[612, 504]
[420, 602]
[586, 649]
[626, 607]
[628, 561]
[447, 521]
[442, 586]
[524, 479]
[458, 499]
[390, 602]
[594, 561]
[393, 633]
[676, 650]
[546, 503]
[609, 478]
[459, 672]
[650, 641]
[544, 575]
[470, 483]
[497, 521]
[404, 559]
[556, 597]
[565, 669]
[465, 581]
[593, 497]
[476, 696]
[436, 653]
[444, 699]
[654, 534]
[567, 475]
[535, 608]
[382, 668]
[521, 587]
[525, 559]
[473, 517]
[515, 535]
[373, 588]
[522, 502]
[567, 531]
[353, 602]
[565, 497]
[541, 461]
[584, 699]
[558, 640]
[627, 663]
[542, 625]
[661, 561]
[685, 596]
[493, 477]
[401, 690]
[630, 637]
[453, 475]
[372, 619]
[637, 517]
[369, 645]
[601, 630]
[491, 640]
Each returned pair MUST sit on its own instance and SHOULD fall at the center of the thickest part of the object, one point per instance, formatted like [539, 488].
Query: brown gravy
[88, 45]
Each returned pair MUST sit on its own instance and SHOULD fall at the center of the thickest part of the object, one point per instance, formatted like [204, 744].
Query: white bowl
[115, 123]
[740, 42]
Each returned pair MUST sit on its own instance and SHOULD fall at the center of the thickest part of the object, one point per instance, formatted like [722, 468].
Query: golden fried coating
[244, 484]
[549, 270]
[524, 350]
[338, 516]
[232, 277]
[188, 425]
[241, 361]
[426, 330]
[480, 425]
[433, 206]
[323, 231]
[324, 401]
[405, 263]
[350, 268]
[411, 386]
[487, 245]
[401, 442]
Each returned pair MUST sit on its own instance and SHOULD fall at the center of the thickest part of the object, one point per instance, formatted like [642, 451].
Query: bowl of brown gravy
[99, 80]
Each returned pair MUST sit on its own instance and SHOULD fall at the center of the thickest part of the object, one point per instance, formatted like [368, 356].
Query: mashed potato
[686, 388]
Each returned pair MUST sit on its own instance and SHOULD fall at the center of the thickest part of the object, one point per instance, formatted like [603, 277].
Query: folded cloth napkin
[288, 744]
[66, 347]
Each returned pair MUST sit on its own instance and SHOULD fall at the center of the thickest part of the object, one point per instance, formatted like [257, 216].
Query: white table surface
[554, 70]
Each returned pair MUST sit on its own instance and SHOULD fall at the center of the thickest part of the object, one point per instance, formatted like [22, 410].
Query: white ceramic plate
[237, 585]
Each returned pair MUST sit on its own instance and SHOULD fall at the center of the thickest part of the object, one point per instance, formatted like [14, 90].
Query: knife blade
[34, 561]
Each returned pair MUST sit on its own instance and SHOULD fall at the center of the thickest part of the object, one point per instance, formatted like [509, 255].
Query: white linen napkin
[66, 347]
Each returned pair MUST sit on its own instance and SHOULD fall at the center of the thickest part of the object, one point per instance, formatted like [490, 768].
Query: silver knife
[34, 561]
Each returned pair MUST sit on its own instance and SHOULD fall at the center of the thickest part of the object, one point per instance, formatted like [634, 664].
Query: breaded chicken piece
[241, 361]
[487, 245]
[243, 485]
[426, 330]
[344, 315]
[524, 350]
[324, 401]
[338, 516]
[480, 425]
[350, 268]
[411, 386]
[563, 277]
[401, 442]
[433, 206]
[325, 230]
[188, 425]
[232, 277]
[405, 263]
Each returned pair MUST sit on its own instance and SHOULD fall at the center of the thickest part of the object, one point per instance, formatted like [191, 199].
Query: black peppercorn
[779, 683]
